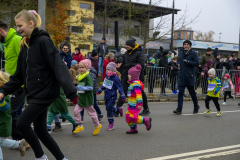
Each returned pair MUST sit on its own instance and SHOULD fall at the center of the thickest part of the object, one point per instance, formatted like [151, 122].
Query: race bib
[107, 83]
[129, 92]
[211, 87]
[226, 85]
[82, 84]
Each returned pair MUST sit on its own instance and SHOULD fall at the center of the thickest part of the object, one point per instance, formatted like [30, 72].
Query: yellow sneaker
[207, 111]
[154, 96]
[219, 114]
[150, 95]
[97, 130]
[78, 129]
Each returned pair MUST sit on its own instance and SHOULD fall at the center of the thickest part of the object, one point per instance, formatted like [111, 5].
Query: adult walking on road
[41, 70]
[102, 52]
[12, 49]
[188, 60]
[132, 57]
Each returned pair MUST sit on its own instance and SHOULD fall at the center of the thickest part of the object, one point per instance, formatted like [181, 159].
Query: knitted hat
[123, 50]
[104, 38]
[212, 71]
[131, 42]
[187, 41]
[153, 60]
[165, 53]
[87, 63]
[209, 49]
[94, 53]
[74, 62]
[226, 75]
[161, 49]
[134, 72]
[77, 49]
[111, 66]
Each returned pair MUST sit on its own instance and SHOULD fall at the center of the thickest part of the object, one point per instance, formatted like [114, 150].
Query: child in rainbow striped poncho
[135, 101]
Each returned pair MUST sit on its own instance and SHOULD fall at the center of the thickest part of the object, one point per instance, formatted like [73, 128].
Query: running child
[110, 86]
[6, 122]
[214, 87]
[227, 88]
[135, 101]
[86, 100]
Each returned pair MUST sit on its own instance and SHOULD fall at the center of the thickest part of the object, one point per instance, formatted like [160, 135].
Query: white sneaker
[45, 158]
[224, 103]
[233, 97]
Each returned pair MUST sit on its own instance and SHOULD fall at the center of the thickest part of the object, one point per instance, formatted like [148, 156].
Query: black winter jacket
[219, 65]
[129, 61]
[41, 69]
[174, 72]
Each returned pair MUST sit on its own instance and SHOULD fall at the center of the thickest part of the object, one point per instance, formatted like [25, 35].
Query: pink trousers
[91, 112]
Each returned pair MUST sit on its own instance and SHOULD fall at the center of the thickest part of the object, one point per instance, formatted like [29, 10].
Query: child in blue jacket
[110, 86]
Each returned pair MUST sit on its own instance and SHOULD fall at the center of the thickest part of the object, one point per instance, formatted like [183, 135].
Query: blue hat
[74, 62]
[104, 39]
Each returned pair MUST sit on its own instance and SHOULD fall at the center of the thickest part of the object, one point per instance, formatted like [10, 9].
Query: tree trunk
[53, 8]
[130, 19]
[12, 14]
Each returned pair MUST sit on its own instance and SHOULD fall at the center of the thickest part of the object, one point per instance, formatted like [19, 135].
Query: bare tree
[207, 36]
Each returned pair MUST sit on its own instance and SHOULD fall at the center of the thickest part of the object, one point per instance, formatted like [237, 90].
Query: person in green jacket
[6, 122]
[85, 90]
[11, 52]
[59, 106]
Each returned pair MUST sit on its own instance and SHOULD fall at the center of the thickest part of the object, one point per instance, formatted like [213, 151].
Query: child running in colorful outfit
[86, 100]
[59, 106]
[135, 101]
[6, 122]
[110, 86]
[227, 88]
[214, 87]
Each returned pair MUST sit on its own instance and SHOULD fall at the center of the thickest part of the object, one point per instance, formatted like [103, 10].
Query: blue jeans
[100, 65]
[57, 118]
[96, 107]
[7, 143]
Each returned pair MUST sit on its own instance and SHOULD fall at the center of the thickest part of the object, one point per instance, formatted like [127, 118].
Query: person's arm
[16, 44]
[100, 90]
[58, 67]
[3, 105]
[223, 87]
[88, 87]
[231, 85]
[16, 80]
[218, 86]
[194, 62]
[119, 86]
[138, 92]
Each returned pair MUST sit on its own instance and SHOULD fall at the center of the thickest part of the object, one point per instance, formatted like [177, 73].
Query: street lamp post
[220, 36]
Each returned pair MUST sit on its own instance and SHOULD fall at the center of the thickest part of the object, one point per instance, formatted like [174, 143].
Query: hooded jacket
[214, 85]
[131, 59]
[105, 63]
[67, 58]
[42, 71]
[207, 67]
[12, 49]
[78, 57]
[219, 65]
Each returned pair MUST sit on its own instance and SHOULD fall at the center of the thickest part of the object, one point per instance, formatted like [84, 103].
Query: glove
[79, 88]
[184, 60]
[123, 98]
[97, 93]
[75, 101]
[214, 92]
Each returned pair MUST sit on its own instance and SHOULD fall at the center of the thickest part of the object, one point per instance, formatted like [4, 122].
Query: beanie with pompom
[134, 72]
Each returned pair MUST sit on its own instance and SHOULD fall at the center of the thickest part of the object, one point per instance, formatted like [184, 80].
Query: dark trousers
[110, 109]
[227, 93]
[197, 82]
[16, 102]
[173, 80]
[125, 86]
[96, 107]
[204, 85]
[215, 101]
[151, 82]
[191, 92]
[163, 84]
[37, 113]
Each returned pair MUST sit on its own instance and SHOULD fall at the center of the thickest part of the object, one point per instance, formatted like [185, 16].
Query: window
[71, 12]
[136, 31]
[188, 35]
[112, 28]
[98, 27]
[85, 6]
[179, 35]
[84, 46]
[75, 29]
[87, 20]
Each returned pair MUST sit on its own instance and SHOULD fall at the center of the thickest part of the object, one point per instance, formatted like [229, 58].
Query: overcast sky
[217, 15]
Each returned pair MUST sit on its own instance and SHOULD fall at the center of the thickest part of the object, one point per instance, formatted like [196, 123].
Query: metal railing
[159, 80]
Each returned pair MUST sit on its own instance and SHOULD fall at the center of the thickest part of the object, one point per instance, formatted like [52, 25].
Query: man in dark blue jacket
[188, 60]
[66, 55]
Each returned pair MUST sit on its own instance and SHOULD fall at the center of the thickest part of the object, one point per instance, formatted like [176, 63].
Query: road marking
[195, 152]
[212, 113]
[214, 155]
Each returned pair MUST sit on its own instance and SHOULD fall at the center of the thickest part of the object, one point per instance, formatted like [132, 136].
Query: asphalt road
[171, 137]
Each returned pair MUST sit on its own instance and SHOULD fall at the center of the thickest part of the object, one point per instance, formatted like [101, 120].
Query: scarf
[82, 76]
[109, 74]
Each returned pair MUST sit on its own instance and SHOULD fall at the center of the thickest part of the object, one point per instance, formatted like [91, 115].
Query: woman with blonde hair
[42, 71]
[108, 58]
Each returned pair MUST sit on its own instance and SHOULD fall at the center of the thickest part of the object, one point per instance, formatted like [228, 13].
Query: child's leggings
[91, 111]
[110, 109]
[96, 107]
[227, 93]
[67, 116]
[132, 118]
[7, 143]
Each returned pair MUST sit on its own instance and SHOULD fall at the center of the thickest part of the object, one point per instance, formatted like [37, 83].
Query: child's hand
[123, 100]
[1, 96]
[214, 92]
[97, 93]
[75, 101]
[139, 107]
